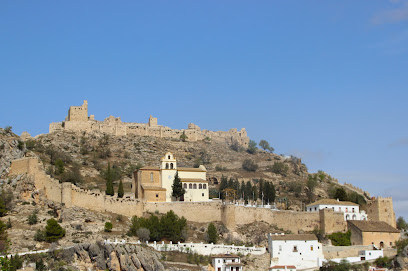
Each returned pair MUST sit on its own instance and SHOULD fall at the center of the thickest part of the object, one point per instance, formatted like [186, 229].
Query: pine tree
[109, 182]
[120, 190]
[53, 231]
[178, 190]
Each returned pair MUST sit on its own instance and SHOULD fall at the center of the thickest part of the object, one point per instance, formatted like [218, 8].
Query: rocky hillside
[82, 158]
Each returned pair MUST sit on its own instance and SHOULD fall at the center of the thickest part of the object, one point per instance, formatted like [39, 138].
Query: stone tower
[168, 169]
[381, 209]
[78, 113]
[152, 121]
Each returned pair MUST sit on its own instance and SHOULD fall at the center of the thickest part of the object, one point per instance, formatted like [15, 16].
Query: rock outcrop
[11, 148]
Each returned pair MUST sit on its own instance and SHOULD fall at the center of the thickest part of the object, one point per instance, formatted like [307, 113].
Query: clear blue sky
[324, 80]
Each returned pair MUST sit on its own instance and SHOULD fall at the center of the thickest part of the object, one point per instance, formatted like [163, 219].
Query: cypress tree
[120, 190]
[178, 190]
[109, 183]
[212, 233]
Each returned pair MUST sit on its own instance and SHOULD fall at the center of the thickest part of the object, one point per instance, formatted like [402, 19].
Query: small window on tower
[168, 157]
[157, 195]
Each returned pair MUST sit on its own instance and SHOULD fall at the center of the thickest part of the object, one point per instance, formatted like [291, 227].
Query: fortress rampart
[203, 212]
[78, 120]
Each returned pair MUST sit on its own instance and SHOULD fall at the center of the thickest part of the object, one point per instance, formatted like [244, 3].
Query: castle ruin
[78, 120]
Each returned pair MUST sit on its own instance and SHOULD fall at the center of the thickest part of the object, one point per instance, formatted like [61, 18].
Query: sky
[326, 81]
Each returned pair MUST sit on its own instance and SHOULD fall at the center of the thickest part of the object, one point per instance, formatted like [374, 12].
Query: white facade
[194, 180]
[350, 210]
[300, 250]
[282, 268]
[226, 263]
[364, 255]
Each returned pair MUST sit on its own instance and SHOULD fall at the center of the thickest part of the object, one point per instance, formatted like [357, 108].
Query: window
[190, 186]
[311, 248]
[295, 249]
[339, 208]
[185, 186]
[315, 208]
[202, 194]
[157, 195]
[151, 177]
[195, 186]
[346, 209]
[333, 208]
[171, 165]
[353, 210]
[204, 186]
[200, 186]
[167, 165]
[168, 157]
[390, 243]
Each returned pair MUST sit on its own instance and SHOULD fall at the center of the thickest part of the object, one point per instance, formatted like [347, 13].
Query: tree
[249, 165]
[183, 136]
[108, 227]
[265, 146]
[109, 181]
[143, 234]
[3, 209]
[311, 183]
[33, 219]
[340, 238]
[59, 164]
[53, 231]
[212, 233]
[340, 194]
[251, 147]
[178, 190]
[401, 224]
[279, 168]
[120, 190]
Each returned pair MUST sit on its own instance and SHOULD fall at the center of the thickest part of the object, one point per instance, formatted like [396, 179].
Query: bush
[183, 137]
[108, 227]
[8, 129]
[33, 219]
[340, 238]
[252, 147]
[235, 146]
[279, 168]
[143, 234]
[53, 231]
[249, 165]
[20, 145]
[39, 236]
[383, 262]
[220, 168]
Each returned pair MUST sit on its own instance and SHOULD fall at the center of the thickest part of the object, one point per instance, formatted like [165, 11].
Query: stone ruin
[78, 120]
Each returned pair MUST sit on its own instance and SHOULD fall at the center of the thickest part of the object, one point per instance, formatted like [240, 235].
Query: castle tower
[168, 169]
[152, 121]
[381, 209]
[78, 113]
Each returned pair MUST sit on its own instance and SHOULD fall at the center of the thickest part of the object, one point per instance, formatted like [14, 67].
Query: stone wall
[331, 252]
[78, 120]
[381, 209]
[331, 221]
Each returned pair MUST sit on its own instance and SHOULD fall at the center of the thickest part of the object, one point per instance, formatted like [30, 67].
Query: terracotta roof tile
[373, 226]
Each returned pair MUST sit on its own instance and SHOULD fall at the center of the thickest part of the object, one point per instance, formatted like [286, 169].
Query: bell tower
[168, 169]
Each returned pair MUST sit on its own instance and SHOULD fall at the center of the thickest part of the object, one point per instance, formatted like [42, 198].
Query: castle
[78, 120]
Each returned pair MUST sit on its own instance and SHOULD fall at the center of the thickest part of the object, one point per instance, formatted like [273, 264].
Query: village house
[226, 262]
[299, 250]
[377, 233]
[154, 184]
[350, 210]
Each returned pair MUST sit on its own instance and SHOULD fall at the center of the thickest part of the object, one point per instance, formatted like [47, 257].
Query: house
[299, 250]
[154, 184]
[226, 262]
[350, 210]
[377, 233]
[282, 268]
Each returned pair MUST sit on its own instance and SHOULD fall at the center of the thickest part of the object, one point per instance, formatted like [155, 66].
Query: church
[154, 184]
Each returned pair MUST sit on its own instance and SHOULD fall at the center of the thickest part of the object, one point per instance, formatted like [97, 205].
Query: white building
[299, 250]
[226, 262]
[154, 184]
[282, 268]
[350, 210]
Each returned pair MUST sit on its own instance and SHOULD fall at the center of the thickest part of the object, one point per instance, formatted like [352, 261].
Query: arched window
[171, 165]
[167, 165]
[200, 186]
[353, 210]
[168, 157]
[195, 186]
[354, 217]
[204, 186]
[190, 186]
[347, 217]
[185, 186]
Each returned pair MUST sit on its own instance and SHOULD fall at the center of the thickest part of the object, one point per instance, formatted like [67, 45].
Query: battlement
[78, 120]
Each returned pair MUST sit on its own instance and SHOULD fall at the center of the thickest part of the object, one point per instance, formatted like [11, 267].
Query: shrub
[252, 147]
[220, 168]
[33, 219]
[143, 234]
[183, 137]
[383, 262]
[108, 227]
[8, 129]
[39, 236]
[279, 168]
[235, 146]
[20, 145]
[53, 231]
[249, 165]
[340, 238]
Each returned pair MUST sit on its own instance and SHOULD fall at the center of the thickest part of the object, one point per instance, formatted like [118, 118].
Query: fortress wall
[331, 221]
[202, 212]
[381, 209]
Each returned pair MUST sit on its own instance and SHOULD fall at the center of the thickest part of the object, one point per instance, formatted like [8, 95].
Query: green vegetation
[121, 192]
[108, 227]
[6, 201]
[266, 191]
[401, 224]
[8, 129]
[53, 231]
[33, 219]
[279, 168]
[252, 147]
[340, 238]
[212, 234]
[183, 137]
[249, 165]
[340, 194]
[383, 262]
[235, 146]
[265, 146]
[108, 175]
[178, 190]
[169, 226]
[401, 244]
[143, 234]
